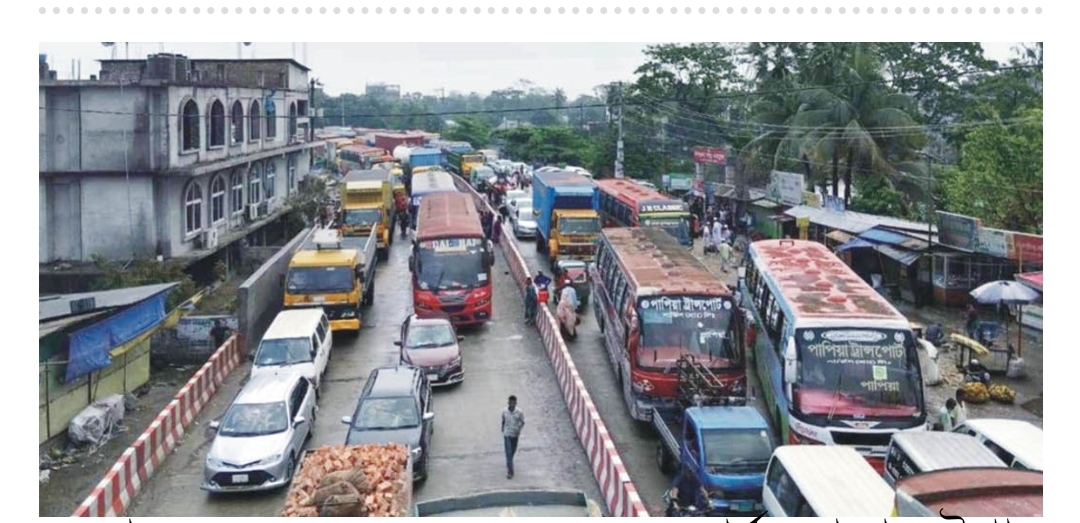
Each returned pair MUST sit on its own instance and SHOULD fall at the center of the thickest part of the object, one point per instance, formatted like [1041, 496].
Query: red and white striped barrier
[122, 483]
[620, 495]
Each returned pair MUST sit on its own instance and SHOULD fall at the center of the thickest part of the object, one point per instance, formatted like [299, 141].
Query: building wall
[117, 216]
[43, 221]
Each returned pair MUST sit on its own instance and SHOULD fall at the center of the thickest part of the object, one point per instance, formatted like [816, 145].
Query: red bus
[451, 259]
[624, 203]
[655, 303]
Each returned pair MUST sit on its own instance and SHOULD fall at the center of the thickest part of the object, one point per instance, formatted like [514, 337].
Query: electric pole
[619, 144]
[343, 109]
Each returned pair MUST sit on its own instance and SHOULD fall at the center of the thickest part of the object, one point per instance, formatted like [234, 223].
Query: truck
[389, 141]
[971, 493]
[424, 157]
[718, 444]
[368, 203]
[334, 272]
[511, 503]
[461, 164]
[352, 473]
[567, 225]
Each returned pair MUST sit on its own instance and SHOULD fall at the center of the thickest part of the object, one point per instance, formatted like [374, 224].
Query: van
[299, 339]
[912, 453]
[824, 481]
[1017, 443]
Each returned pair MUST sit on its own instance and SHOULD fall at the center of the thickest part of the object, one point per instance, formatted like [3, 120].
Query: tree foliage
[146, 272]
[546, 145]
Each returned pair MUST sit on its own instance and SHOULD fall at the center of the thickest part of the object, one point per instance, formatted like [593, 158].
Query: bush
[147, 272]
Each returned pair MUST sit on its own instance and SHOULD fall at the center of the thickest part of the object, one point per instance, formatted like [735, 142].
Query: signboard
[993, 242]
[1026, 248]
[711, 155]
[958, 231]
[786, 188]
[452, 244]
[661, 207]
[812, 199]
[683, 307]
[832, 203]
[699, 178]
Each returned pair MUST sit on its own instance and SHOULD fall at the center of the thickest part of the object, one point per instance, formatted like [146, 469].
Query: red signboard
[1027, 248]
[710, 155]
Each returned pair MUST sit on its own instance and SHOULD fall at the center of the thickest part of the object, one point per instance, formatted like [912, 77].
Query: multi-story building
[169, 157]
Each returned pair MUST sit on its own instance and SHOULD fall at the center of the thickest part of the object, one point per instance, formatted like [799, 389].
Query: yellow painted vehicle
[368, 203]
[426, 168]
[574, 234]
[335, 273]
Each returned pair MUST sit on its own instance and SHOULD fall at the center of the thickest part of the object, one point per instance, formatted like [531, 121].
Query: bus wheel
[663, 459]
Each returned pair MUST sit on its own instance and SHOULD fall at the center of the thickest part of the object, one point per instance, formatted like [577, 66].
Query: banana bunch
[976, 392]
[1002, 394]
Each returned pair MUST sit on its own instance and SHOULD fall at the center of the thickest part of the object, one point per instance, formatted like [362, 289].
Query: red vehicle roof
[978, 492]
[654, 258]
[634, 194]
[818, 284]
[448, 215]
[1032, 279]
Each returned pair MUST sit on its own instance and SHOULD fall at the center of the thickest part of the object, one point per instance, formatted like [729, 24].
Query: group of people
[567, 294]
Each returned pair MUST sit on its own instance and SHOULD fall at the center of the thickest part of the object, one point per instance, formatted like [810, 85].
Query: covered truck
[567, 225]
[367, 202]
[461, 164]
[335, 273]
[424, 157]
[352, 481]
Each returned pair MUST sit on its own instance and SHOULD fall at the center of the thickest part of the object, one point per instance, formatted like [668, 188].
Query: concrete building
[168, 156]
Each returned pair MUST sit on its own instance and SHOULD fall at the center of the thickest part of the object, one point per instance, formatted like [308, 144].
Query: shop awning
[855, 243]
[895, 239]
[900, 255]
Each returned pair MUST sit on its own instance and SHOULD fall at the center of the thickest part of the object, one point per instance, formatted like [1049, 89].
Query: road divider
[620, 494]
[123, 482]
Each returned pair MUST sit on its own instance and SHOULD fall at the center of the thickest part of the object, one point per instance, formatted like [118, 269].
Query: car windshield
[451, 264]
[430, 336]
[254, 419]
[699, 326]
[735, 448]
[579, 226]
[858, 373]
[679, 227]
[283, 351]
[525, 213]
[320, 279]
[386, 413]
[362, 217]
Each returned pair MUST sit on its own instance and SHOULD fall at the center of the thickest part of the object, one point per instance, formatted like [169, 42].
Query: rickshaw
[577, 272]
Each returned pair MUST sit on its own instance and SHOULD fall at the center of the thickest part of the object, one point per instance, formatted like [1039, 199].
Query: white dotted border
[534, 10]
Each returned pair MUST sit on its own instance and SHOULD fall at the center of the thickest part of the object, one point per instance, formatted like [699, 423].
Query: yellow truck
[367, 203]
[335, 273]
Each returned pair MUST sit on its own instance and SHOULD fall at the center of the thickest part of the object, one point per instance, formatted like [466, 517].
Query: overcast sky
[423, 67]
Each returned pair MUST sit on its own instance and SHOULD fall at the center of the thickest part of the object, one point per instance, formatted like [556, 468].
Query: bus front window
[674, 326]
[451, 264]
[677, 227]
[858, 373]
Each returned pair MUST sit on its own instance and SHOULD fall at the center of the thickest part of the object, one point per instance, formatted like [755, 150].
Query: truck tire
[540, 243]
[369, 295]
[664, 460]
[383, 254]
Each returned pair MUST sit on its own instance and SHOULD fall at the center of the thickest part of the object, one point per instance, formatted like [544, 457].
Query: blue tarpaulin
[89, 348]
[855, 243]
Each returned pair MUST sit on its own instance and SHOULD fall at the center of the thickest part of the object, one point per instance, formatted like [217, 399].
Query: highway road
[502, 358]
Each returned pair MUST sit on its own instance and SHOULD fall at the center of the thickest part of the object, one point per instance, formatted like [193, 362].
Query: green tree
[469, 129]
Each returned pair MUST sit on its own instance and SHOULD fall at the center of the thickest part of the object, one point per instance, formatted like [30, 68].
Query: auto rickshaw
[578, 274]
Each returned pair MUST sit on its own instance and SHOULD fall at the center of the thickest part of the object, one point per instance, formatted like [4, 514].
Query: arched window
[290, 176]
[254, 186]
[270, 180]
[292, 120]
[237, 122]
[216, 123]
[271, 119]
[255, 118]
[217, 199]
[189, 126]
[236, 192]
[193, 209]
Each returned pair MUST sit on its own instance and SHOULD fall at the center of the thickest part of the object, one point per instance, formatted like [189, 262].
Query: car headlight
[270, 460]
[214, 462]
[455, 362]
[417, 452]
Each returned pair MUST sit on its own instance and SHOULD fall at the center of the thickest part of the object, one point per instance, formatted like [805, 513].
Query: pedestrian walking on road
[496, 229]
[726, 255]
[972, 321]
[706, 236]
[531, 301]
[513, 420]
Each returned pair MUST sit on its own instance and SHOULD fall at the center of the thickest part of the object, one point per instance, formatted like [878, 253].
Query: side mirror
[461, 338]
[299, 420]
[359, 272]
[428, 416]
[397, 343]
[791, 364]
[346, 420]
[214, 425]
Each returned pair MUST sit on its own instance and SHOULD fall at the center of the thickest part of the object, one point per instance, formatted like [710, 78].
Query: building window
[217, 199]
[254, 186]
[290, 176]
[255, 118]
[236, 196]
[292, 120]
[237, 122]
[193, 209]
[271, 119]
[189, 126]
[216, 123]
[270, 182]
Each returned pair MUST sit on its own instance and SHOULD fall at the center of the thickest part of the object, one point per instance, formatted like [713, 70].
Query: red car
[430, 343]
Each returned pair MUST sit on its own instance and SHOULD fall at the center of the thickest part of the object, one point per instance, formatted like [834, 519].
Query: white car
[524, 222]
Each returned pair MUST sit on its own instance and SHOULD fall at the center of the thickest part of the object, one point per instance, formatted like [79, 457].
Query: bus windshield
[860, 373]
[319, 279]
[579, 226]
[362, 217]
[456, 263]
[677, 226]
[700, 326]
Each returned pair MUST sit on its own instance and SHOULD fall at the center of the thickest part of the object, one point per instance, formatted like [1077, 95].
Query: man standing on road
[220, 333]
[531, 301]
[513, 420]
[726, 255]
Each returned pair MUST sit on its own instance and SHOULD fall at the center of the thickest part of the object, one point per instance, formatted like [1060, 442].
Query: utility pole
[343, 109]
[619, 144]
[311, 110]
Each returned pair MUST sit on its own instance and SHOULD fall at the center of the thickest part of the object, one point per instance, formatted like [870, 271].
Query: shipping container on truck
[567, 225]
[389, 141]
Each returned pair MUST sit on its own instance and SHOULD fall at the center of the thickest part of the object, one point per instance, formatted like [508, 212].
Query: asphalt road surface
[502, 358]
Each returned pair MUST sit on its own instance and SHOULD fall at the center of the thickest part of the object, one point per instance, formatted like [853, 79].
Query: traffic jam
[769, 397]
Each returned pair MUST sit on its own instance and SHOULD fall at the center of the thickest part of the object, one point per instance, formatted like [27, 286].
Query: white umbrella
[1004, 292]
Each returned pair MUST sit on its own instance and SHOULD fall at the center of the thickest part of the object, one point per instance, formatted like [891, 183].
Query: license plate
[318, 299]
[743, 506]
[240, 478]
[433, 377]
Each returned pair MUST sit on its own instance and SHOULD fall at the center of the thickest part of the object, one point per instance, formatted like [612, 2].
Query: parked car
[259, 441]
[430, 343]
[518, 201]
[524, 222]
[395, 407]
[297, 339]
